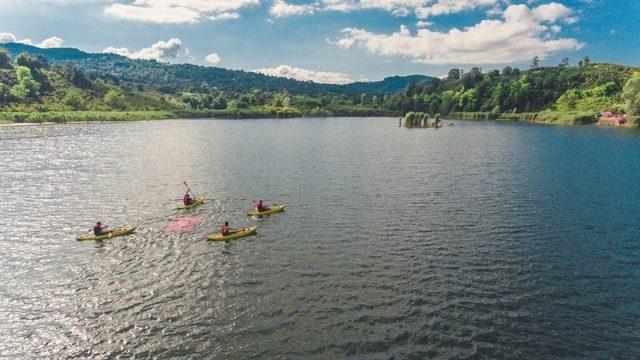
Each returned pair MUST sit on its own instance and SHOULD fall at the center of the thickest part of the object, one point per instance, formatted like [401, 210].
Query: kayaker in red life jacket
[99, 230]
[224, 229]
[187, 199]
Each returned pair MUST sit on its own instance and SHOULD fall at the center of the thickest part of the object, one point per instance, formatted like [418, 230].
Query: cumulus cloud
[306, 75]
[52, 42]
[212, 59]
[160, 51]
[422, 8]
[520, 35]
[178, 11]
[282, 9]
[7, 38]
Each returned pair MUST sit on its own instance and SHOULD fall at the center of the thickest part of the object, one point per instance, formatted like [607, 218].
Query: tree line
[587, 87]
[29, 83]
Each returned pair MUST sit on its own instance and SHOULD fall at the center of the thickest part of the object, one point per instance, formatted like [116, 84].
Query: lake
[481, 240]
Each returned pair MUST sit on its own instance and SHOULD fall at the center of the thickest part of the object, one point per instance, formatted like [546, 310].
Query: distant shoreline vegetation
[114, 88]
[111, 115]
[33, 91]
[562, 94]
[548, 116]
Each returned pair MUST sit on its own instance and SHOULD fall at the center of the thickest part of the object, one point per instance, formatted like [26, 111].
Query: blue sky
[334, 40]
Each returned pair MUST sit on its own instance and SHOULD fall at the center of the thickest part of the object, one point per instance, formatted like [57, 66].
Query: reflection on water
[480, 240]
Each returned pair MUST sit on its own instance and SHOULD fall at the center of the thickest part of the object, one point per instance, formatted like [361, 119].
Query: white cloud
[423, 23]
[422, 8]
[283, 9]
[7, 38]
[178, 11]
[117, 51]
[551, 12]
[442, 7]
[52, 42]
[212, 59]
[160, 51]
[306, 75]
[518, 36]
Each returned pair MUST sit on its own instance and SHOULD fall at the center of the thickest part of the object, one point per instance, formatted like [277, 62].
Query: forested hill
[173, 78]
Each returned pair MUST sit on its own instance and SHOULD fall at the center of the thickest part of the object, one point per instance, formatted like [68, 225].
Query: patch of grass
[71, 116]
[547, 116]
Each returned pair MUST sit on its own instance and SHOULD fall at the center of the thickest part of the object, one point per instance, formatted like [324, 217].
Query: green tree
[74, 99]
[363, 98]
[434, 104]
[535, 62]
[454, 74]
[631, 94]
[32, 62]
[447, 102]
[5, 59]
[569, 100]
[114, 100]
[5, 93]
[26, 87]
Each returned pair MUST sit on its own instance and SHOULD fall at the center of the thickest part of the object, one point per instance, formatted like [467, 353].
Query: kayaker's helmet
[226, 223]
[99, 223]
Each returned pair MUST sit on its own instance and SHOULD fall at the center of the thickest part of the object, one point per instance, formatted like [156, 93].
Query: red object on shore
[619, 119]
[184, 223]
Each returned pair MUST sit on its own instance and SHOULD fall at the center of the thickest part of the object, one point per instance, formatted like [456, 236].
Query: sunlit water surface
[482, 240]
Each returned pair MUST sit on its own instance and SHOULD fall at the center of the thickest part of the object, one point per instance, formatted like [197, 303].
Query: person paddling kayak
[98, 229]
[225, 229]
[260, 207]
[188, 199]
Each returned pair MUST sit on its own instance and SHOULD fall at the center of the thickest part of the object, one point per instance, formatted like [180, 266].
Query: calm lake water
[482, 240]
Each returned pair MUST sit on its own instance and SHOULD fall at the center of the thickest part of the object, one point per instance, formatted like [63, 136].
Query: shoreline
[546, 117]
[98, 117]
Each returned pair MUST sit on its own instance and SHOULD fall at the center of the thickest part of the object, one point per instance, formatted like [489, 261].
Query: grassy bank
[547, 116]
[8, 117]
[71, 116]
[342, 111]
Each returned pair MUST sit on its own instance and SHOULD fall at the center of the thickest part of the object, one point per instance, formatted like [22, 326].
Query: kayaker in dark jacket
[261, 208]
[187, 199]
[99, 230]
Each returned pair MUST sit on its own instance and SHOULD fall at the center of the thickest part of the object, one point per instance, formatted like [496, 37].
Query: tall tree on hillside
[471, 78]
[27, 86]
[564, 63]
[5, 59]
[32, 62]
[535, 62]
[36, 64]
[631, 94]
[363, 98]
[454, 74]
[410, 89]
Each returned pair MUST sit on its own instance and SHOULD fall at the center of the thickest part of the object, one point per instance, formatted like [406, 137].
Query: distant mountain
[389, 85]
[172, 78]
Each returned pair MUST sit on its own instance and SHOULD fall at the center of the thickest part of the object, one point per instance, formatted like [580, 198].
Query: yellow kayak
[114, 233]
[196, 202]
[270, 210]
[238, 234]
